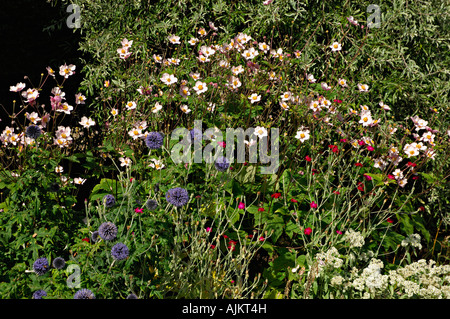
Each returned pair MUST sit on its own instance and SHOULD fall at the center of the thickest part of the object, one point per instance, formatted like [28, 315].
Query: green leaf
[247, 175]
[291, 229]
[406, 223]
[106, 186]
[392, 240]
[274, 224]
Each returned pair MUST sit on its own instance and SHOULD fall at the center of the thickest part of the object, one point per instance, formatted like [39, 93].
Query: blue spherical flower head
[39, 294]
[33, 131]
[59, 263]
[84, 294]
[154, 140]
[107, 231]
[151, 204]
[120, 251]
[40, 266]
[132, 296]
[177, 196]
[195, 135]
[109, 200]
[222, 164]
[94, 236]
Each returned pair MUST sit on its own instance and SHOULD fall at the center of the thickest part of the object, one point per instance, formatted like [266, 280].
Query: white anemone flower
[87, 122]
[200, 87]
[260, 131]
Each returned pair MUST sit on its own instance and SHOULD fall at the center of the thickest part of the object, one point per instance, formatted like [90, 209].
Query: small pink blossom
[241, 205]
[313, 204]
[138, 210]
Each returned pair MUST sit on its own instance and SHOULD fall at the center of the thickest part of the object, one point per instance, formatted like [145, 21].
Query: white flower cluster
[426, 280]
[328, 259]
[355, 239]
[371, 277]
[420, 279]
[412, 240]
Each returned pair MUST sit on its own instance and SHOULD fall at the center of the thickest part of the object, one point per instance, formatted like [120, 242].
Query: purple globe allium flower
[151, 204]
[195, 134]
[39, 294]
[84, 294]
[59, 263]
[222, 164]
[132, 296]
[107, 231]
[120, 251]
[94, 236]
[177, 196]
[154, 140]
[33, 131]
[40, 266]
[109, 200]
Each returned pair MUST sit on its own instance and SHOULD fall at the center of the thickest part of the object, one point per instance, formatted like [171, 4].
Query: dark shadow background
[28, 48]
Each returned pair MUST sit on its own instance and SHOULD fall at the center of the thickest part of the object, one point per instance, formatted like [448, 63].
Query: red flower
[313, 204]
[361, 186]
[367, 177]
[307, 158]
[370, 148]
[411, 164]
[261, 209]
[334, 148]
[85, 239]
[308, 231]
[359, 164]
[343, 140]
[232, 244]
[336, 192]
[338, 232]
[138, 210]
[294, 200]
[361, 143]
[276, 195]
[391, 176]
[337, 101]
[390, 220]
